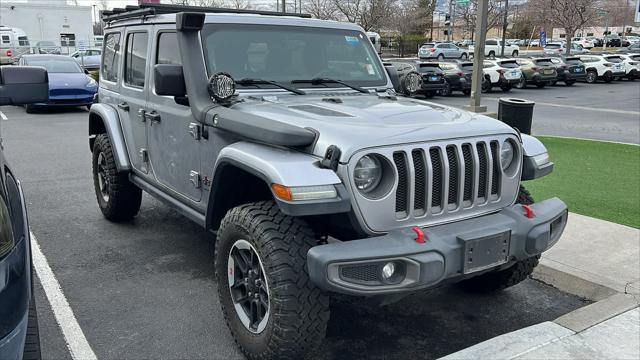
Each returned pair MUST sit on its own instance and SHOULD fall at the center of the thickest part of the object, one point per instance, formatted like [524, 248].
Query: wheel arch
[239, 167]
[104, 119]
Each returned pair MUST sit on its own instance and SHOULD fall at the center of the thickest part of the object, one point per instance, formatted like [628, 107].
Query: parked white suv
[586, 43]
[493, 48]
[630, 63]
[501, 73]
[600, 68]
[560, 49]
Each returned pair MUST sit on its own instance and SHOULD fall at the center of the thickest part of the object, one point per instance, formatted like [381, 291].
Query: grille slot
[436, 188]
[468, 172]
[420, 182]
[452, 157]
[482, 178]
[402, 192]
[495, 181]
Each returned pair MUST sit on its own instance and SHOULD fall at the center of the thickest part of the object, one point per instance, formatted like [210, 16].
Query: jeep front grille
[440, 182]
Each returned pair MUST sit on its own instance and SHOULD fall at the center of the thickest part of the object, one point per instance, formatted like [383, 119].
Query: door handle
[152, 116]
[124, 106]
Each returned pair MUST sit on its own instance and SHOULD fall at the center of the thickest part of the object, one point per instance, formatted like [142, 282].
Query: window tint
[614, 59]
[573, 62]
[135, 59]
[553, 46]
[427, 46]
[111, 58]
[467, 66]
[491, 42]
[5, 39]
[509, 64]
[168, 49]
[544, 62]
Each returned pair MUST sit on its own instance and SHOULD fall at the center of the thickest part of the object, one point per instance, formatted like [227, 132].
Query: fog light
[388, 270]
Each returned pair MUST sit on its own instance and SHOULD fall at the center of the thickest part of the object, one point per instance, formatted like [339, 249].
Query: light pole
[504, 26]
[478, 57]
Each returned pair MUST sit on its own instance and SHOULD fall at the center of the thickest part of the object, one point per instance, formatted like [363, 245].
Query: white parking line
[3, 116]
[73, 335]
[576, 107]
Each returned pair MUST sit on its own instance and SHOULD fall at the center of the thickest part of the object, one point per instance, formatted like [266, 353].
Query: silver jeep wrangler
[285, 137]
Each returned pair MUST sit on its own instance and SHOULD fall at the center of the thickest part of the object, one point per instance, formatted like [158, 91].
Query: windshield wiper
[269, 82]
[318, 81]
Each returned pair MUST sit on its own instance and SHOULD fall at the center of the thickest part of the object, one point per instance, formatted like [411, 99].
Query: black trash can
[517, 113]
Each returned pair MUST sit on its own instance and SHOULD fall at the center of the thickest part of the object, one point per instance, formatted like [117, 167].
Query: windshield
[56, 66]
[545, 62]
[553, 46]
[286, 53]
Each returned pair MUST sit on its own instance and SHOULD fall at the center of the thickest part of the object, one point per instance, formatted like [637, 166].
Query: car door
[455, 51]
[174, 139]
[133, 97]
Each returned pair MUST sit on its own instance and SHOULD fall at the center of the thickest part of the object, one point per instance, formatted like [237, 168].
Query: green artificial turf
[594, 178]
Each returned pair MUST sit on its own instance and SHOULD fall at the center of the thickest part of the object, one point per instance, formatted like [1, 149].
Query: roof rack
[143, 10]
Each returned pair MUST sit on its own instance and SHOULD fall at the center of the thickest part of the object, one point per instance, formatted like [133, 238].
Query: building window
[67, 39]
[111, 58]
[135, 59]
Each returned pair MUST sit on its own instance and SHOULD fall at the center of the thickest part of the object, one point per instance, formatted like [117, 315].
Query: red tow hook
[419, 235]
[528, 211]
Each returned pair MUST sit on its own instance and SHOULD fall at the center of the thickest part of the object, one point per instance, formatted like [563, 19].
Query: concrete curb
[590, 315]
[571, 284]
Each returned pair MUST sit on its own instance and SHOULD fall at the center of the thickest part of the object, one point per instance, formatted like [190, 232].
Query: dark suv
[457, 77]
[570, 69]
[433, 78]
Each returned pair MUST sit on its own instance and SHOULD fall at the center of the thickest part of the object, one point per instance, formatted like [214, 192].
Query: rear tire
[522, 83]
[505, 88]
[486, 86]
[118, 198]
[30, 109]
[464, 56]
[297, 312]
[492, 54]
[502, 279]
[514, 53]
[608, 78]
[447, 90]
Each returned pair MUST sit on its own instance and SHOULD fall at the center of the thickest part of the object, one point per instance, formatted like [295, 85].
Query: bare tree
[495, 14]
[321, 9]
[367, 13]
[569, 14]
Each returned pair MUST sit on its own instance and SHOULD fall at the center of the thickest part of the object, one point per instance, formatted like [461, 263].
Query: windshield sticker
[370, 69]
[352, 40]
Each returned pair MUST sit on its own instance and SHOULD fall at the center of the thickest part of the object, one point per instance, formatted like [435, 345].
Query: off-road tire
[298, 311]
[32, 342]
[499, 280]
[124, 198]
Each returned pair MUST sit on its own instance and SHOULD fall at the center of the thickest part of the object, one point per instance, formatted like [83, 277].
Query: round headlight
[506, 154]
[367, 173]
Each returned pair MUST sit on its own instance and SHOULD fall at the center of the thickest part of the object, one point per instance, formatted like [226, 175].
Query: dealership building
[67, 26]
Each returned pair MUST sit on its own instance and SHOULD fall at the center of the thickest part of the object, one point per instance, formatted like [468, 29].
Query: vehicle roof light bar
[157, 9]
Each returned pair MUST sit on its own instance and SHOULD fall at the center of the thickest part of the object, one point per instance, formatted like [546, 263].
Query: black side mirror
[169, 80]
[21, 85]
[86, 71]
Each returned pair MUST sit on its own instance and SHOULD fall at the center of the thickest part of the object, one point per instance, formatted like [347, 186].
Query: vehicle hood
[359, 121]
[68, 80]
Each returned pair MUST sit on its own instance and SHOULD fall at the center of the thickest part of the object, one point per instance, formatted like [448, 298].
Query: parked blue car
[69, 84]
[19, 337]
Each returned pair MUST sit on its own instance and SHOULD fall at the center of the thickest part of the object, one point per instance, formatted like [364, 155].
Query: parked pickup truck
[493, 48]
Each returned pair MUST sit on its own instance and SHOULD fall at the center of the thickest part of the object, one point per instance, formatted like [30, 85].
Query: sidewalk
[599, 261]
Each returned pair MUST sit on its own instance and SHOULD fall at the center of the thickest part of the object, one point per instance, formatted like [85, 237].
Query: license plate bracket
[483, 252]
[433, 78]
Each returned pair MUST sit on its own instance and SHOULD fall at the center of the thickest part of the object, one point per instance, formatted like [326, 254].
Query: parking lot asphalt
[145, 289]
[594, 111]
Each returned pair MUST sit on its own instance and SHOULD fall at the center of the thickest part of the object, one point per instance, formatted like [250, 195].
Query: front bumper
[12, 345]
[353, 267]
